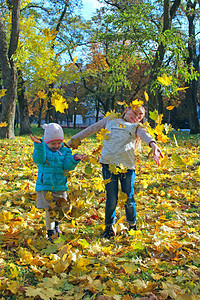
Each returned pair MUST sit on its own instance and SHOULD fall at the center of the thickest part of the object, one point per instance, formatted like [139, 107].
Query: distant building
[85, 121]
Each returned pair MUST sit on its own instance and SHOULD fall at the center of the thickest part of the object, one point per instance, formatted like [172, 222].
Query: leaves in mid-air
[165, 80]
[59, 102]
[136, 103]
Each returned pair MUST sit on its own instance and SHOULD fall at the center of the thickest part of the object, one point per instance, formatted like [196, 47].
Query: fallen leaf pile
[161, 260]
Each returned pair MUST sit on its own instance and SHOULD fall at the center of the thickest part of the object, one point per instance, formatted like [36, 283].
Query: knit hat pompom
[52, 132]
[44, 126]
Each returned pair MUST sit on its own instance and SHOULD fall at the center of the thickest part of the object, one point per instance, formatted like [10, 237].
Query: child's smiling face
[55, 145]
[134, 116]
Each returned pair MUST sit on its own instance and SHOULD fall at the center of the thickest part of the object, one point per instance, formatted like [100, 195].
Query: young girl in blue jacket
[53, 158]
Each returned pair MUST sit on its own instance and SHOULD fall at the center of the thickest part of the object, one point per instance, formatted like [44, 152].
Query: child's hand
[156, 152]
[35, 139]
[81, 157]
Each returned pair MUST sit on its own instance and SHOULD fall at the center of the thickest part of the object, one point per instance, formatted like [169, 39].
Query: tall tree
[169, 12]
[193, 60]
[9, 71]
[25, 127]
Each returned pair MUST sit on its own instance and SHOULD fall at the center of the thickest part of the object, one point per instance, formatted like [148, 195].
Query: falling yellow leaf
[146, 96]
[122, 103]
[165, 80]
[112, 115]
[76, 99]
[122, 126]
[182, 89]
[59, 102]
[153, 115]
[170, 107]
[162, 138]
[136, 103]
[75, 59]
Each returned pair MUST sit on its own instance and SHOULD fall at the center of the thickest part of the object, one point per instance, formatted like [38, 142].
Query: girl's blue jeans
[127, 181]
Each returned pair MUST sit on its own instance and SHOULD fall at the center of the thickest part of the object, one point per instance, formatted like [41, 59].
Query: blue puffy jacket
[51, 166]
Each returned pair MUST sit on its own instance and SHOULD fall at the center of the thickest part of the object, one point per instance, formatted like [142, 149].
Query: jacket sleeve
[69, 162]
[39, 153]
[94, 128]
[144, 135]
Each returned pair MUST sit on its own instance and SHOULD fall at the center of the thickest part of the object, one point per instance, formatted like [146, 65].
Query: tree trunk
[9, 102]
[97, 110]
[9, 71]
[17, 117]
[191, 92]
[25, 127]
[40, 112]
[155, 98]
[74, 121]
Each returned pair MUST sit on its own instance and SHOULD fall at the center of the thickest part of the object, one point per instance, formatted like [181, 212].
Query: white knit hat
[52, 132]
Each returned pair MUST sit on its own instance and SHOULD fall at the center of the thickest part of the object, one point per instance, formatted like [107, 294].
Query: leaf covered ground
[159, 261]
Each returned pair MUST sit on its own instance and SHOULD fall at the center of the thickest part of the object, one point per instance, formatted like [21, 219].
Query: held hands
[81, 157]
[157, 153]
[35, 139]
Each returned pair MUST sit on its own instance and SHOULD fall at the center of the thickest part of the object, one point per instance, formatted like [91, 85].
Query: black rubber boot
[50, 233]
[109, 232]
[57, 229]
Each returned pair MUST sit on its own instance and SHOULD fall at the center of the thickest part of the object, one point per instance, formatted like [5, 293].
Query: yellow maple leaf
[42, 94]
[122, 198]
[156, 276]
[83, 262]
[165, 80]
[198, 171]
[130, 268]
[102, 134]
[98, 184]
[49, 195]
[25, 255]
[59, 102]
[145, 184]
[164, 161]
[162, 137]
[13, 270]
[170, 107]
[75, 59]
[4, 124]
[122, 126]
[14, 286]
[122, 103]
[146, 96]
[2, 92]
[136, 103]
[76, 99]
[112, 115]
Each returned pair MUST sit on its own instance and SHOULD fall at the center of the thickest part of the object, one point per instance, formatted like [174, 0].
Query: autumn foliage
[159, 261]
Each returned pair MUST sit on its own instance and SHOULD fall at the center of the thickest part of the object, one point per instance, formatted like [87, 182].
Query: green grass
[40, 131]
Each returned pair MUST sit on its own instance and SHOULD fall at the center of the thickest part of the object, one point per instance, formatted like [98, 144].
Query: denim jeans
[127, 181]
